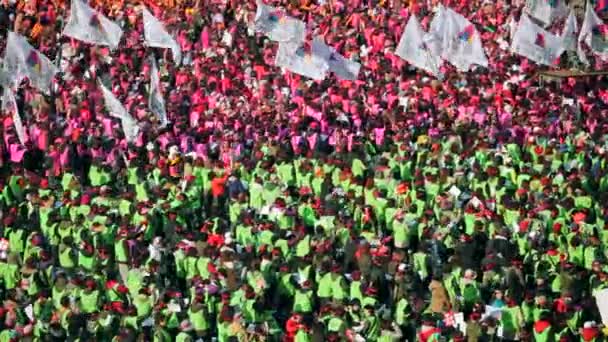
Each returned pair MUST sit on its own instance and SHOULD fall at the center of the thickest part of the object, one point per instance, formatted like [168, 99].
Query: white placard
[601, 299]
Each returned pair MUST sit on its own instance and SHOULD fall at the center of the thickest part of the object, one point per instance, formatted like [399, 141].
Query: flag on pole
[117, 110]
[23, 60]
[458, 40]
[338, 64]
[594, 33]
[156, 36]
[415, 47]
[569, 33]
[546, 11]
[301, 62]
[91, 27]
[156, 103]
[278, 26]
[442, 30]
[10, 105]
[536, 43]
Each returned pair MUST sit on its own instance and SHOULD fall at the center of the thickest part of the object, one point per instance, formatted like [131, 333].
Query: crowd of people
[396, 207]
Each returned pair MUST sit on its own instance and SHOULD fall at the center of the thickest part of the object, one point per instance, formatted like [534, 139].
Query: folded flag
[278, 26]
[156, 102]
[117, 110]
[89, 26]
[338, 64]
[22, 60]
[301, 62]
[536, 43]
[156, 36]
[594, 34]
[546, 11]
[414, 48]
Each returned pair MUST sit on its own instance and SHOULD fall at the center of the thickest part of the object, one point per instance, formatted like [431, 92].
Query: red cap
[122, 289]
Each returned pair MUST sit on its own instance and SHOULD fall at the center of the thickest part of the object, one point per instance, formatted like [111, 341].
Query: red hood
[424, 335]
[540, 326]
[588, 334]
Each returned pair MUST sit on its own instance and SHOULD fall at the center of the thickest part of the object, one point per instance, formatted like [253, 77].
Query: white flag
[463, 48]
[22, 60]
[535, 43]
[338, 64]
[569, 33]
[157, 36]
[91, 27]
[278, 26]
[10, 105]
[301, 62]
[442, 30]
[5, 80]
[117, 110]
[601, 300]
[415, 48]
[156, 103]
[594, 33]
[546, 10]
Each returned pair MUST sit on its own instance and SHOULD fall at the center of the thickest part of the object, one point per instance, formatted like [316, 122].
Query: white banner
[536, 44]
[546, 11]
[466, 48]
[22, 60]
[338, 64]
[301, 62]
[87, 25]
[601, 299]
[415, 48]
[278, 26]
[10, 105]
[156, 36]
[569, 33]
[156, 102]
[117, 110]
[457, 40]
[594, 33]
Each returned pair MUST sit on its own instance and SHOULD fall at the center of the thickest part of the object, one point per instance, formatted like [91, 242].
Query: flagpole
[429, 56]
[60, 48]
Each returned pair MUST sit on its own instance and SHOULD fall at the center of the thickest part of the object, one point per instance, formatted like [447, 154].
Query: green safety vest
[302, 336]
[143, 305]
[302, 301]
[325, 286]
[590, 256]
[402, 311]
[89, 301]
[11, 275]
[198, 319]
[543, 336]
[355, 290]
[338, 292]
[335, 324]
[161, 335]
[86, 262]
[511, 319]
[183, 337]
[120, 250]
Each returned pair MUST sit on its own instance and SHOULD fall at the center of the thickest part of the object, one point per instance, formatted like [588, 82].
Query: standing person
[440, 302]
